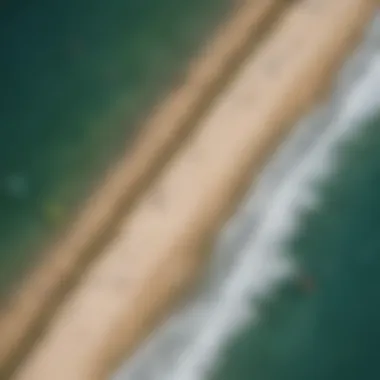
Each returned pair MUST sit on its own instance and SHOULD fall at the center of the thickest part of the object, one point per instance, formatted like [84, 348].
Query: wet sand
[159, 247]
[37, 298]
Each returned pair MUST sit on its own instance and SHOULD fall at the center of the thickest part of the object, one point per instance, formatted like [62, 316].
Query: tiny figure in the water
[306, 283]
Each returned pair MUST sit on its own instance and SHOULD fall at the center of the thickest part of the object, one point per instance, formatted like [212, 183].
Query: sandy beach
[159, 246]
[22, 319]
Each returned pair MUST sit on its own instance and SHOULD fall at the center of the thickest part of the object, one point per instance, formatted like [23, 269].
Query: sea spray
[264, 256]
[329, 328]
[250, 259]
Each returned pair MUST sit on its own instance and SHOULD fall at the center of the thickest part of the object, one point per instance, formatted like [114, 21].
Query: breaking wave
[250, 260]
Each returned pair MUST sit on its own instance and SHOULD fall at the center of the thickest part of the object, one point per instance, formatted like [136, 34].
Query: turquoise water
[292, 291]
[76, 77]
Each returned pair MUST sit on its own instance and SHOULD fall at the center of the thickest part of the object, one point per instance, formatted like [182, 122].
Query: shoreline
[121, 298]
[36, 298]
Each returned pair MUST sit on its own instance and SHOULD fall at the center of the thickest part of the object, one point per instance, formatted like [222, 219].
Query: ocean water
[292, 289]
[77, 77]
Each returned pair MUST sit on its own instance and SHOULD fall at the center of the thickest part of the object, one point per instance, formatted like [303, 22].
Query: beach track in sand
[157, 249]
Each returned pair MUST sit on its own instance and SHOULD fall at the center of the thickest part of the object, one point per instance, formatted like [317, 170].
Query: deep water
[76, 78]
[292, 290]
[324, 323]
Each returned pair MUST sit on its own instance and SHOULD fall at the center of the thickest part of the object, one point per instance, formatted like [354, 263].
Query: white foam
[250, 260]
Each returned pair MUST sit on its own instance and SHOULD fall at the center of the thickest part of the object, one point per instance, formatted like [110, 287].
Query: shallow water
[76, 77]
[292, 289]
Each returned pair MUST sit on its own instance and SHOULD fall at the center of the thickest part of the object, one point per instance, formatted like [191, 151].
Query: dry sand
[158, 247]
[39, 295]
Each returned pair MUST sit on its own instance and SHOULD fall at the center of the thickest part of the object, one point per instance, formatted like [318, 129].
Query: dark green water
[292, 290]
[76, 77]
[328, 325]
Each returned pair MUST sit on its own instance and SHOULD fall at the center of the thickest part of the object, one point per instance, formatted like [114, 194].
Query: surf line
[263, 262]
[158, 251]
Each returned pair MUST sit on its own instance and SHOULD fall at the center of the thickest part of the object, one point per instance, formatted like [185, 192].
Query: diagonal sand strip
[39, 295]
[157, 251]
